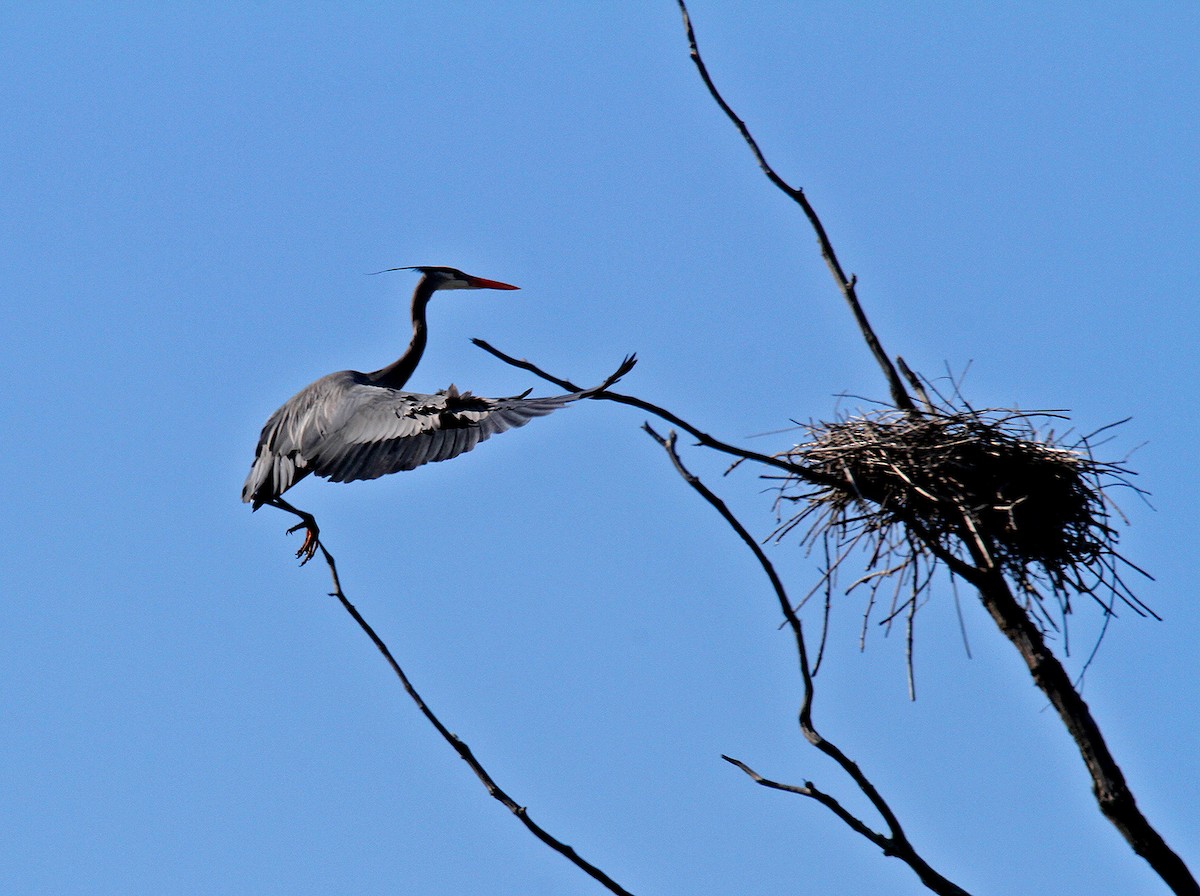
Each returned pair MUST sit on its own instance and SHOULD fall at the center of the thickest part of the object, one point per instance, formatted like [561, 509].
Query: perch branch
[896, 842]
[463, 750]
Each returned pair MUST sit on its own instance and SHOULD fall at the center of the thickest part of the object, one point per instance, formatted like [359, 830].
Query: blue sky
[192, 195]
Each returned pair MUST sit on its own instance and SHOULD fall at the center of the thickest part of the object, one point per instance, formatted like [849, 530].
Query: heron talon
[308, 550]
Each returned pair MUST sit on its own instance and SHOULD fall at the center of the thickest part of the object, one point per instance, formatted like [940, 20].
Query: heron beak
[481, 283]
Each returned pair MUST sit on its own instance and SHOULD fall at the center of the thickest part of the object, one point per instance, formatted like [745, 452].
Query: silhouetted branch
[702, 438]
[808, 789]
[461, 747]
[985, 570]
[1112, 793]
[895, 843]
[846, 284]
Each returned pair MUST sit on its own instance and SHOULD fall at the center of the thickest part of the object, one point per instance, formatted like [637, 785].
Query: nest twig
[911, 486]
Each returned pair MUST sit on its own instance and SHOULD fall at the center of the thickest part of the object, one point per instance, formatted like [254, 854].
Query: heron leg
[308, 523]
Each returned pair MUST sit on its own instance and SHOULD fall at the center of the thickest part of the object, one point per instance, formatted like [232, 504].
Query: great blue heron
[351, 425]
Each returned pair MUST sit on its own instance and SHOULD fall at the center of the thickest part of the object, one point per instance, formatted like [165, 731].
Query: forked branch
[1115, 800]
[895, 842]
[701, 437]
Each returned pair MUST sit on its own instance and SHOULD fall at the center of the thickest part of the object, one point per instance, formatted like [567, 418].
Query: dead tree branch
[1115, 800]
[845, 284]
[895, 842]
[1112, 793]
[462, 749]
[702, 438]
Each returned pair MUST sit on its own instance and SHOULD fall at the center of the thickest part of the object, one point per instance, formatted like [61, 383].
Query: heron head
[451, 278]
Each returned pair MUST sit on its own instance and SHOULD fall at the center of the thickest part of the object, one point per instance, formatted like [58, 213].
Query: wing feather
[344, 427]
[383, 430]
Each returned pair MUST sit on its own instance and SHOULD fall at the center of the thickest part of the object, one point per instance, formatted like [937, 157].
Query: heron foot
[308, 550]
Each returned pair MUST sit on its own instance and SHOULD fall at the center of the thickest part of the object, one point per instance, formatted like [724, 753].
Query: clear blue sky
[192, 194]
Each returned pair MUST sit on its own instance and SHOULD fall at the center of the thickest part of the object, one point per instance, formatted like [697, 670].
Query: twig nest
[904, 481]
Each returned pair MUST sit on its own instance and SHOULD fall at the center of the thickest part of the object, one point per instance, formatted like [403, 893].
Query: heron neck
[397, 374]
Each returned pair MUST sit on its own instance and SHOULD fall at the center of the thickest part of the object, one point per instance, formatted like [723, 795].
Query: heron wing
[345, 427]
[292, 434]
[377, 430]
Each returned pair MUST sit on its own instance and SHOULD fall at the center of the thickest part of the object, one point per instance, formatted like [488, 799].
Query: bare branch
[463, 750]
[896, 843]
[915, 382]
[809, 789]
[845, 284]
[1112, 793]
[702, 438]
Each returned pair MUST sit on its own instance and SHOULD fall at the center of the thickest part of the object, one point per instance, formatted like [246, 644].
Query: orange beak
[481, 283]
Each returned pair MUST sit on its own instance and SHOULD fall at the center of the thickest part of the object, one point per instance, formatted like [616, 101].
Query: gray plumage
[343, 427]
[351, 425]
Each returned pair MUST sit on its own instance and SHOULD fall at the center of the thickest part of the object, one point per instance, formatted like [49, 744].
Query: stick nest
[916, 488]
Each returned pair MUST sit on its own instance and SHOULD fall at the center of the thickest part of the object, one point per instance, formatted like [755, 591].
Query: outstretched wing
[386, 431]
[344, 427]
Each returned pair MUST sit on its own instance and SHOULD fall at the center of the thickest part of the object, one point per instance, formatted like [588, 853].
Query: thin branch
[461, 747]
[808, 789]
[894, 844]
[702, 438]
[845, 284]
[917, 385]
